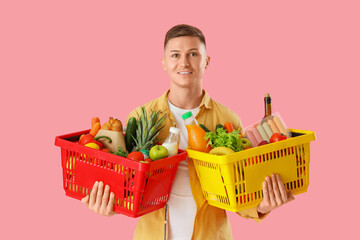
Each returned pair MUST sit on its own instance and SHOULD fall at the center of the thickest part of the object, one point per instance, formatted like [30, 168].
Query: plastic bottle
[172, 141]
[145, 153]
[196, 140]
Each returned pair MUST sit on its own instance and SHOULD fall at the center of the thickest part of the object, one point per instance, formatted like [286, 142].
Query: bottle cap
[145, 152]
[174, 130]
[186, 115]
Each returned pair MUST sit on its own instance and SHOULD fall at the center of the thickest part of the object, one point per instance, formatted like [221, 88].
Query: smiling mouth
[184, 73]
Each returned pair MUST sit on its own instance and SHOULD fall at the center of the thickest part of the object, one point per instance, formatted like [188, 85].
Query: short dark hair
[182, 30]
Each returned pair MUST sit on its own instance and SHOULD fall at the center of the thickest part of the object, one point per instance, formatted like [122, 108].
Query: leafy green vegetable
[120, 152]
[223, 139]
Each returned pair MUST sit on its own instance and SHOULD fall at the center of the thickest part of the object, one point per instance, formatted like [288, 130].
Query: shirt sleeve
[252, 213]
[133, 113]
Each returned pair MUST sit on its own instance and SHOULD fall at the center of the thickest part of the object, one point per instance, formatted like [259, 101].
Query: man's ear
[207, 62]
[163, 63]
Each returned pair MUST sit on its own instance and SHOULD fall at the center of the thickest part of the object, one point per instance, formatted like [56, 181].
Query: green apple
[158, 152]
[245, 143]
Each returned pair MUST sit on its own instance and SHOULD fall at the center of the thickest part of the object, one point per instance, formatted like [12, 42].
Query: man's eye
[193, 54]
[175, 55]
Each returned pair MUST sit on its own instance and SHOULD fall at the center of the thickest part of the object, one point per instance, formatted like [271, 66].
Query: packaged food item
[264, 129]
[196, 134]
[172, 141]
[114, 130]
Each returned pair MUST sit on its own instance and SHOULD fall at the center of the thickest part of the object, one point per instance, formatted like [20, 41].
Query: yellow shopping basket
[234, 182]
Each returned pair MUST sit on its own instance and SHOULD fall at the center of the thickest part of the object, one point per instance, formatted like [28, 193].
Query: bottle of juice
[172, 143]
[196, 140]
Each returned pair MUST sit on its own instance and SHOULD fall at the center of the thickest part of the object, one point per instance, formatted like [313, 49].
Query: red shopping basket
[139, 188]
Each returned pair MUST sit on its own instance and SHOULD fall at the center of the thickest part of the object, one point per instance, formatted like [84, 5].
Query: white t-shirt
[182, 206]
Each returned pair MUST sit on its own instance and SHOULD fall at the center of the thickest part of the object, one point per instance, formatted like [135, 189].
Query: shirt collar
[204, 102]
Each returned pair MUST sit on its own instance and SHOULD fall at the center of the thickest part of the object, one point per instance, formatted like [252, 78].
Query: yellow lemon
[92, 145]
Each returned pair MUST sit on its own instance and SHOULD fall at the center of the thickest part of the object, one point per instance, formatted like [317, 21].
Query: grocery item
[120, 152]
[204, 127]
[250, 136]
[172, 141]
[158, 152]
[223, 139]
[95, 128]
[195, 134]
[92, 145]
[88, 138]
[148, 129]
[94, 120]
[245, 143]
[267, 101]
[228, 127]
[221, 151]
[136, 156]
[280, 126]
[262, 132]
[263, 142]
[219, 126]
[113, 124]
[145, 153]
[273, 126]
[256, 134]
[277, 137]
[267, 129]
[130, 134]
[117, 140]
[253, 135]
[264, 129]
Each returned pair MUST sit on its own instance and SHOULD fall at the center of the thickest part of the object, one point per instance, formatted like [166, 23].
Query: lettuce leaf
[223, 139]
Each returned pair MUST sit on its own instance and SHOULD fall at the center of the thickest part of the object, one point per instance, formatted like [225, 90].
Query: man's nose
[184, 61]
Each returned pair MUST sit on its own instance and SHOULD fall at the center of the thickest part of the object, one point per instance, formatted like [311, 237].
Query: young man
[187, 214]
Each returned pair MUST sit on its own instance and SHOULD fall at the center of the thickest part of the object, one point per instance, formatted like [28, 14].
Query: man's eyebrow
[192, 49]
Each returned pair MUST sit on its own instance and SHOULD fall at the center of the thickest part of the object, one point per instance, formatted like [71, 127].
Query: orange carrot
[94, 120]
[82, 135]
[94, 129]
[229, 127]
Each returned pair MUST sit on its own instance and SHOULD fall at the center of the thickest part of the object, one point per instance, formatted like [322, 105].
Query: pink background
[62, 62]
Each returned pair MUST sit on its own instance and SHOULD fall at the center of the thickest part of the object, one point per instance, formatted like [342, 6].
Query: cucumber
[219, 126]
[203, 127]
[130, 131]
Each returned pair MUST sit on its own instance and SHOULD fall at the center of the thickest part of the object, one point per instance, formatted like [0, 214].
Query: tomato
[136, 156]
[277, 137]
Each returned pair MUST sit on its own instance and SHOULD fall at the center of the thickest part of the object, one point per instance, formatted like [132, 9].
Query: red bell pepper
[88, 138]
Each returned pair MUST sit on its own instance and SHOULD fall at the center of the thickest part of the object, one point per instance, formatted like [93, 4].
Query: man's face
[185, 60]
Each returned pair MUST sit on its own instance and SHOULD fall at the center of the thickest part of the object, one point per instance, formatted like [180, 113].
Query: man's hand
[274, 194]
[99, 202]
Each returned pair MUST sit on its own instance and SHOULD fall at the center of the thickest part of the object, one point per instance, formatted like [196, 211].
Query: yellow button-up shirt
[210, 222]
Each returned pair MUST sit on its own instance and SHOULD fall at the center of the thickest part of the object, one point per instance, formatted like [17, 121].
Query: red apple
[263, 142]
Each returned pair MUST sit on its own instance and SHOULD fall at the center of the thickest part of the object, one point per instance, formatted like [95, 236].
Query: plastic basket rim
[305, 137]
[61, 142]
